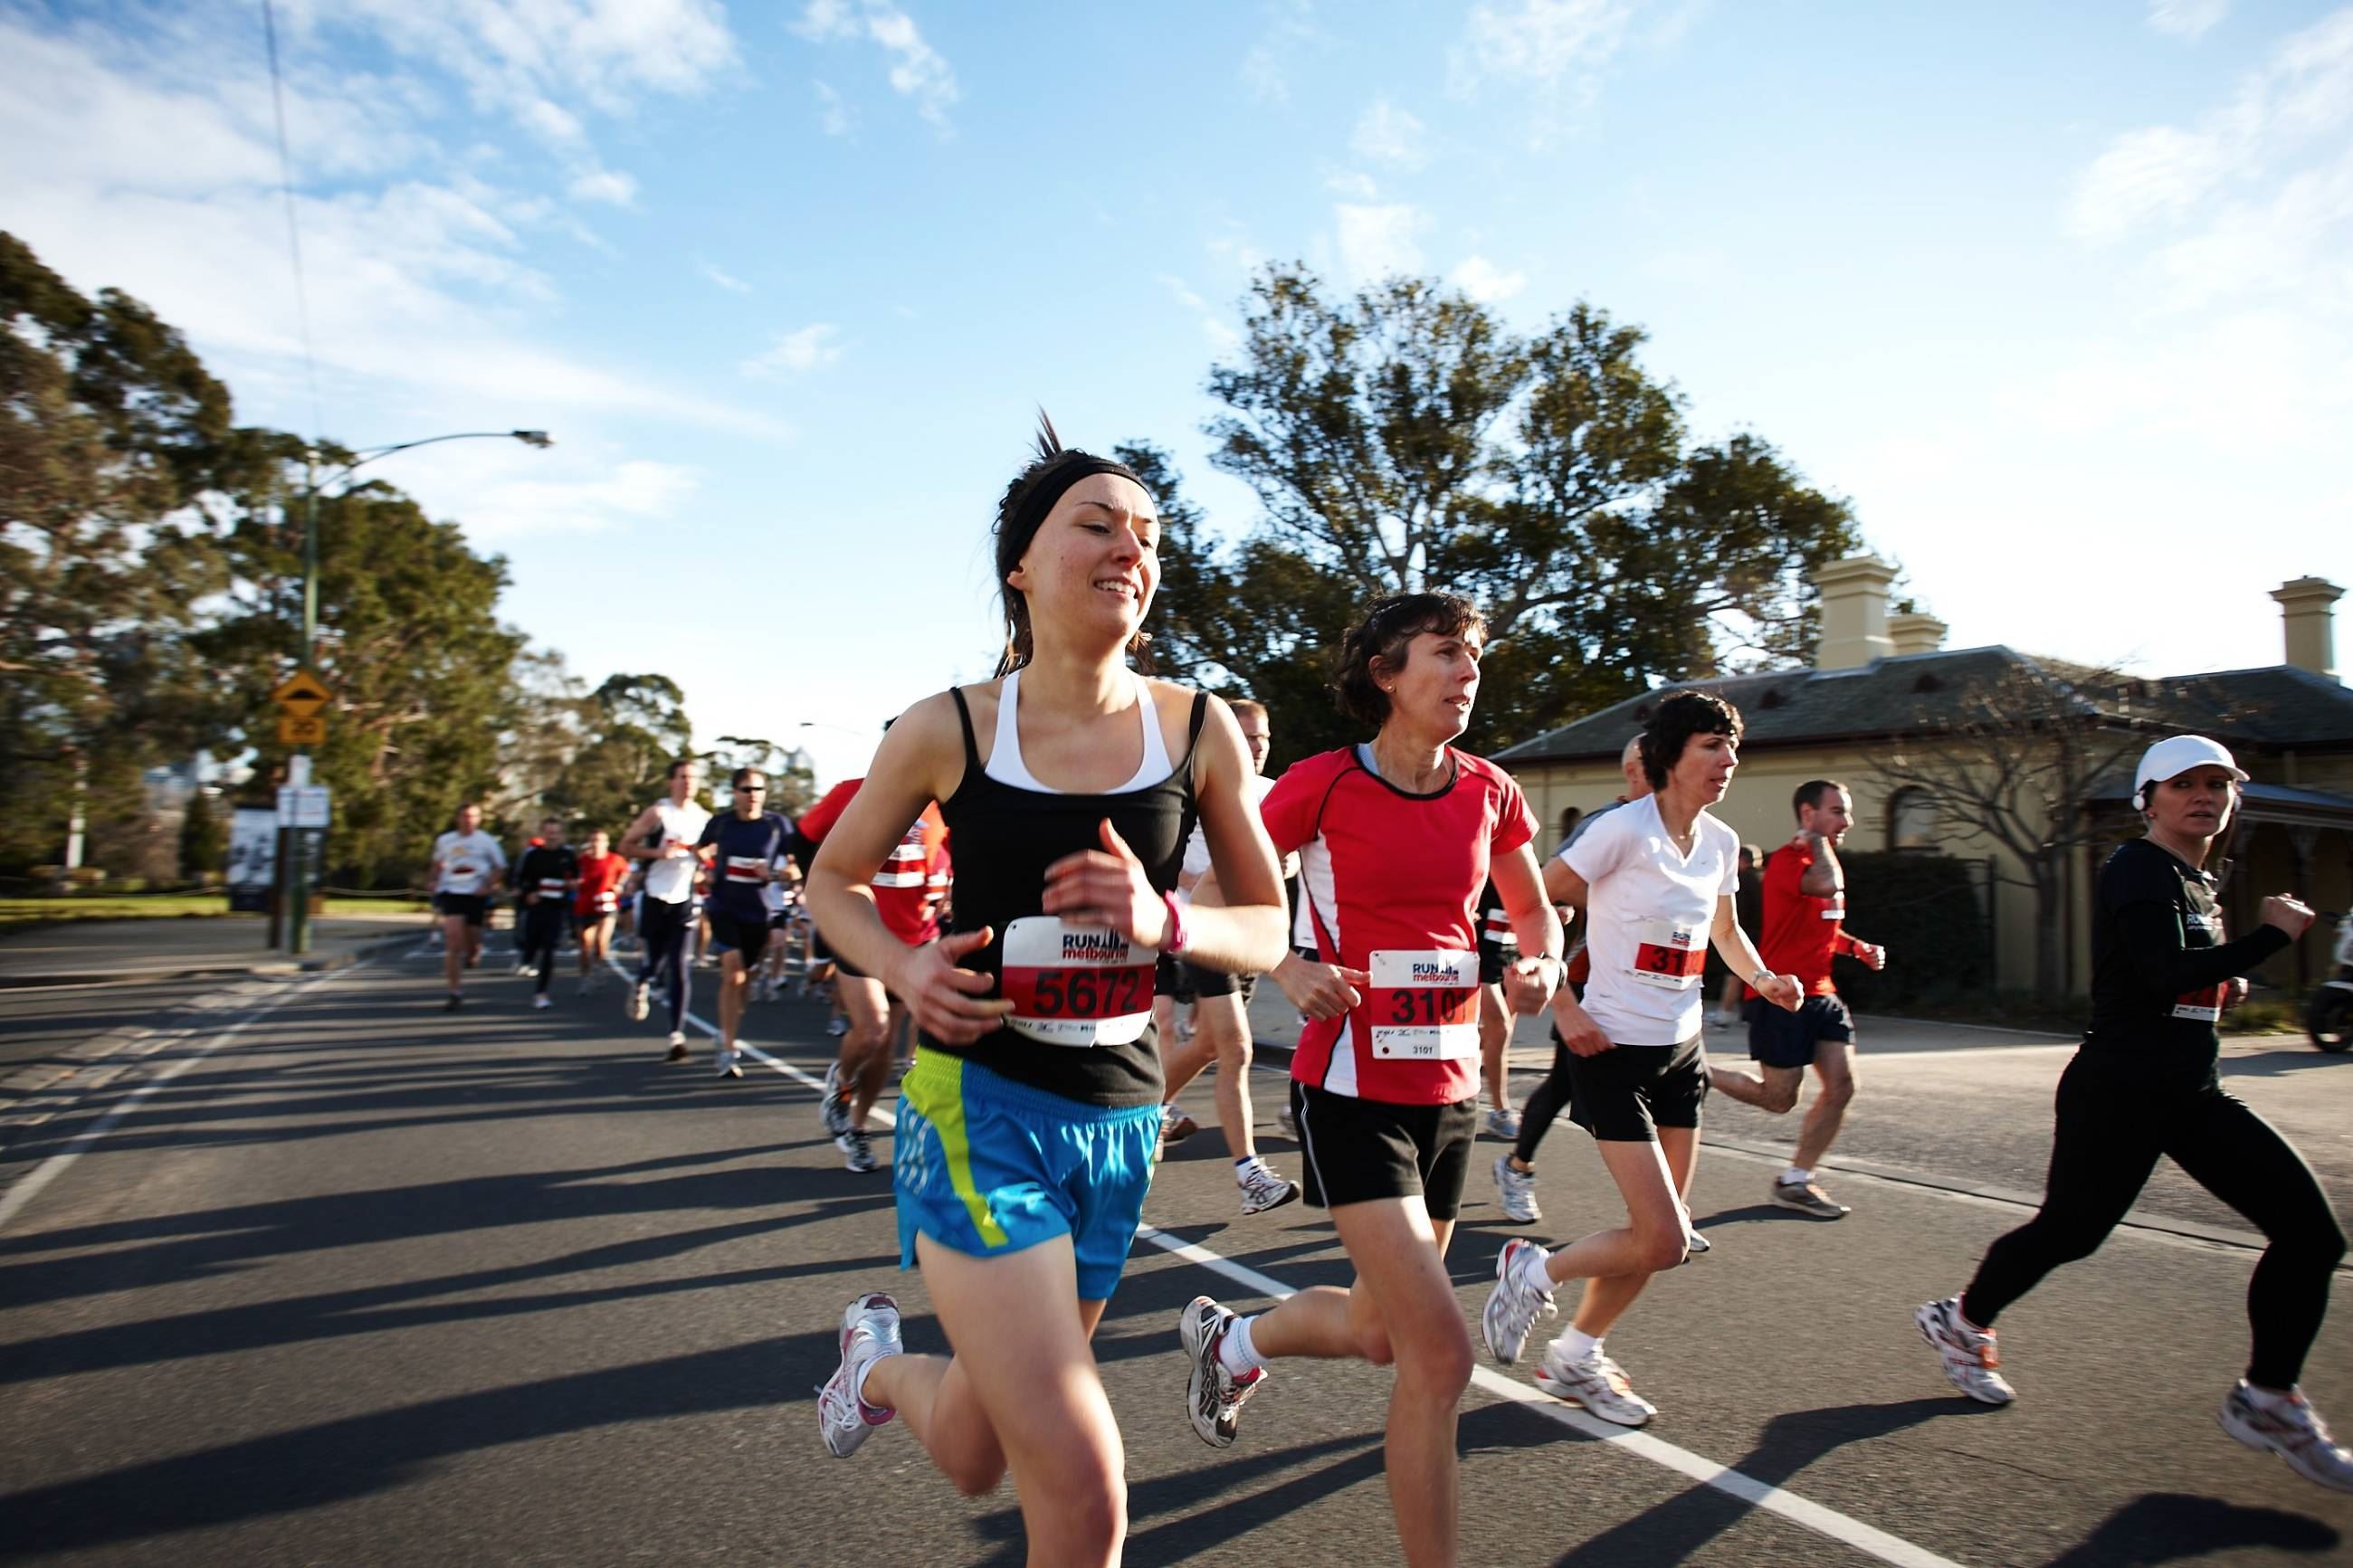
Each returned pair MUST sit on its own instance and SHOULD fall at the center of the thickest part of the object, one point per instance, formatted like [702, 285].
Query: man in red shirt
[906, 896]
[1805, 911]
[596, 903]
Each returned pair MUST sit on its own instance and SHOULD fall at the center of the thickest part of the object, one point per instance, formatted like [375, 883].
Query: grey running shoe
[1806, 1198]
[870, 1330]
[1213, 1397]
[729, 1066]
[2291, 1429]
[835, 1111]
[1262, 1189]
[638, 1002]
[856, 1152]
[1518, 1189]
[1516, 1301]
[1969, 1353]
[677, 1047]
[1504, 1123]
[1176, 1126]
[1597, 1383]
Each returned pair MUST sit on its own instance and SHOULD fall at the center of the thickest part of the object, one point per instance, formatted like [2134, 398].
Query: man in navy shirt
[741, 847]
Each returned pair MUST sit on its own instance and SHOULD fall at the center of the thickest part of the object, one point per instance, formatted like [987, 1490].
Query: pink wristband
[1175, 940]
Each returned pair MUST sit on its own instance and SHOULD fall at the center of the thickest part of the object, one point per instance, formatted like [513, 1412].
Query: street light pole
[298, 766]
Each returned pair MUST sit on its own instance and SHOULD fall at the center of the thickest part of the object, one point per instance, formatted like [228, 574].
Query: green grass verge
[23, 914]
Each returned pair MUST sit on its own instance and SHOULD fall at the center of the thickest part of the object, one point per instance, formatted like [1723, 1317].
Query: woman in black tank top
[1028, 1125]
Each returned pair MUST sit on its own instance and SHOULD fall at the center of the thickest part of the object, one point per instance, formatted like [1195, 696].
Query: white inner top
[1006, 766]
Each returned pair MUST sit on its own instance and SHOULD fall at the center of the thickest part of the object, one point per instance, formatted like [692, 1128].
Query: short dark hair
[1383, 636]
[1811, 793]
[745, 775]
[1676, 719]
[1013, 532]
[682, 763]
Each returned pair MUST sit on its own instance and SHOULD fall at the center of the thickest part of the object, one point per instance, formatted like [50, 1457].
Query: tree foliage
[1405, 439]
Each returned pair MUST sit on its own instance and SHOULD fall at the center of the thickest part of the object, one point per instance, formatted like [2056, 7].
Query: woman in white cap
[2143, 1084]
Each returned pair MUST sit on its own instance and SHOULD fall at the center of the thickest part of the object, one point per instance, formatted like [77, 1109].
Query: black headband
[1031, 514]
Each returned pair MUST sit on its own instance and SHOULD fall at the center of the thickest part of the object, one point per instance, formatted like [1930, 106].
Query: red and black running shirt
[1391, 881]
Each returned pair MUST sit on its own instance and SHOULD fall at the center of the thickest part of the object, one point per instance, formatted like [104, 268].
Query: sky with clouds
[2060, 297]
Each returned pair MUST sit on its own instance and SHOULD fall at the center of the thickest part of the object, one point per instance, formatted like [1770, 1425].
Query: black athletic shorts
[1784, 1039]
[1494, 957]
[745, 934]
[1201, 983]
[1360, 1150]
[1173, 977]
[474, 907]
[1628, 1093]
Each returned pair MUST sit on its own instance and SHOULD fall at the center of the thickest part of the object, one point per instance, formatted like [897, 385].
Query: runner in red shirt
[1803, 929]
[1395, 840]
[907, 900]
[597, 904]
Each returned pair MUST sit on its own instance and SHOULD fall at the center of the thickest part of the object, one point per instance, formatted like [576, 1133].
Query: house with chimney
[1934, 742]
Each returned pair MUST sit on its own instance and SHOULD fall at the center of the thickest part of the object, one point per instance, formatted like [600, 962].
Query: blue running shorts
[987, 1166]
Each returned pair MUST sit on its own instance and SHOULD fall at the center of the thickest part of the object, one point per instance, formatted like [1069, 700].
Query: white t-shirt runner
[466, 862]
[1648, 918]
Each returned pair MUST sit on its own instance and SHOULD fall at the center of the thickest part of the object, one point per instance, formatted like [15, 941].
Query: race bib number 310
[1423, 1005]
[1075, 984]
[1669, 956]
[2204, 1006]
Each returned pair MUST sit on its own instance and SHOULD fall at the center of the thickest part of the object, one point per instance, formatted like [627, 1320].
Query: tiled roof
[2274, 707]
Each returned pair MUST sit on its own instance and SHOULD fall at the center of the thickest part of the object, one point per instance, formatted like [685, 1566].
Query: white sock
[857, 1381]
[1235, 1353]
[1576, 1345]
[1532, 1268]
[1242, 1169]
[2270, 1397]
[1796, 1173]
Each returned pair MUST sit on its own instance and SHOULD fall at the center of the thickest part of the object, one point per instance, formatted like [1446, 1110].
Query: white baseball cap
[2177, 755]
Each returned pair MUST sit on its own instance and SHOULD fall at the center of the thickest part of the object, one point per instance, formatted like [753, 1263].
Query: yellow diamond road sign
[301, 696]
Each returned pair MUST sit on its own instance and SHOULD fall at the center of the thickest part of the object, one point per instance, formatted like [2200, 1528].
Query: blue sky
[2060, 297]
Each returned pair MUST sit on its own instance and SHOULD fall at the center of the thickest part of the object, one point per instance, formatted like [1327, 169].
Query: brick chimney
[1854, 612]
[2308, 624]
[1916, 633]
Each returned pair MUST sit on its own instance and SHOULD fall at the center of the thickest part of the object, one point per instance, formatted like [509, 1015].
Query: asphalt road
[362, 1282]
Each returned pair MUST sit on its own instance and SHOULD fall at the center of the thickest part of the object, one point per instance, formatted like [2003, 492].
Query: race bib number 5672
[1075, 984]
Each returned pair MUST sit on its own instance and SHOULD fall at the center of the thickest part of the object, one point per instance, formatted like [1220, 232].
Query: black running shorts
[1783, 1039]
[1494, 958]
[821, 953]
[1358, 1151]
[745, 934]
[473, 908]
[1628, 1093]
[1218, 983]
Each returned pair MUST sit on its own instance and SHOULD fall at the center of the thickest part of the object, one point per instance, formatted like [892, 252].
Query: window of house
[1911, 820]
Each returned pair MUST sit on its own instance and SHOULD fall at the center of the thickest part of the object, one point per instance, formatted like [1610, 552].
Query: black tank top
[1003, 838]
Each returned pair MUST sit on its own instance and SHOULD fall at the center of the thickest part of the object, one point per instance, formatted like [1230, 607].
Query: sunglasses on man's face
[751, 789]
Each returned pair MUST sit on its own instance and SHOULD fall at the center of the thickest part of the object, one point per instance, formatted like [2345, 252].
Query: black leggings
[1538, 1111]
[666, 931]
[542, 932]
[2111, 1131]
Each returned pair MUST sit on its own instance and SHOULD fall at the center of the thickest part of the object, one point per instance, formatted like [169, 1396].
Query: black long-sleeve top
[2160, 967]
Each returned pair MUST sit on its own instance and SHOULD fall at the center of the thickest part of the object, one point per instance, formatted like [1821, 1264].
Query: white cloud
[2186, 19]
[1376, 241]
[728, 282]
[601, 185]
[832, 114]
[1266, 68]
[918, 71]
[2160, 172]
[1541, 40]
[1218, 330]
[809, 349]
[1387, 134]
[1487, 283]
[1354, 183]
[634, 491]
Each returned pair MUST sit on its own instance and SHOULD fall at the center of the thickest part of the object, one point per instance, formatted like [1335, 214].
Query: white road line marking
[29, 1185]
[1839, 1527]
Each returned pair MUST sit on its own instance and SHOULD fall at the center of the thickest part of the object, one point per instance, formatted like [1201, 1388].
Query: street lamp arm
[539, 438]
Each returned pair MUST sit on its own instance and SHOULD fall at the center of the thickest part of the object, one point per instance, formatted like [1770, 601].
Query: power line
[293, 229]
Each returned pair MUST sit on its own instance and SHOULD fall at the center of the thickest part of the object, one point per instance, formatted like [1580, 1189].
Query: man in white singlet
[663, 838]
[467, 865]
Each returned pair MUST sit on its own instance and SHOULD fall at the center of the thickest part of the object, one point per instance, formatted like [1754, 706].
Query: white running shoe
[1284, 1119]
[1516, 1301]
[856, 1152]
[1597, 1383]
[1262, 1189]
[677, 1046]
[1518, 1189]
[870, 1330]
[540, 1003]
[638, 1002]
[836, 1028]
[730, 1063]
[2291, 1429]
[1213, 1397]
[1504, 1123]
[835, 1110]
[1694, 1244]
[1969, 1353]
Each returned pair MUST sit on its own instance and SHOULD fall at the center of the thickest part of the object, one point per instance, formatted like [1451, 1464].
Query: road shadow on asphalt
[1675, 1529]
[2172, 1527]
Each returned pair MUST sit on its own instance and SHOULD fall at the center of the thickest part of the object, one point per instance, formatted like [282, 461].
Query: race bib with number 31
[1423, 1004]
[1669, 956]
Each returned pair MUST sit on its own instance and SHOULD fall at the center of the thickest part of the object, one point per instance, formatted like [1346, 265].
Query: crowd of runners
[1039, 873]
